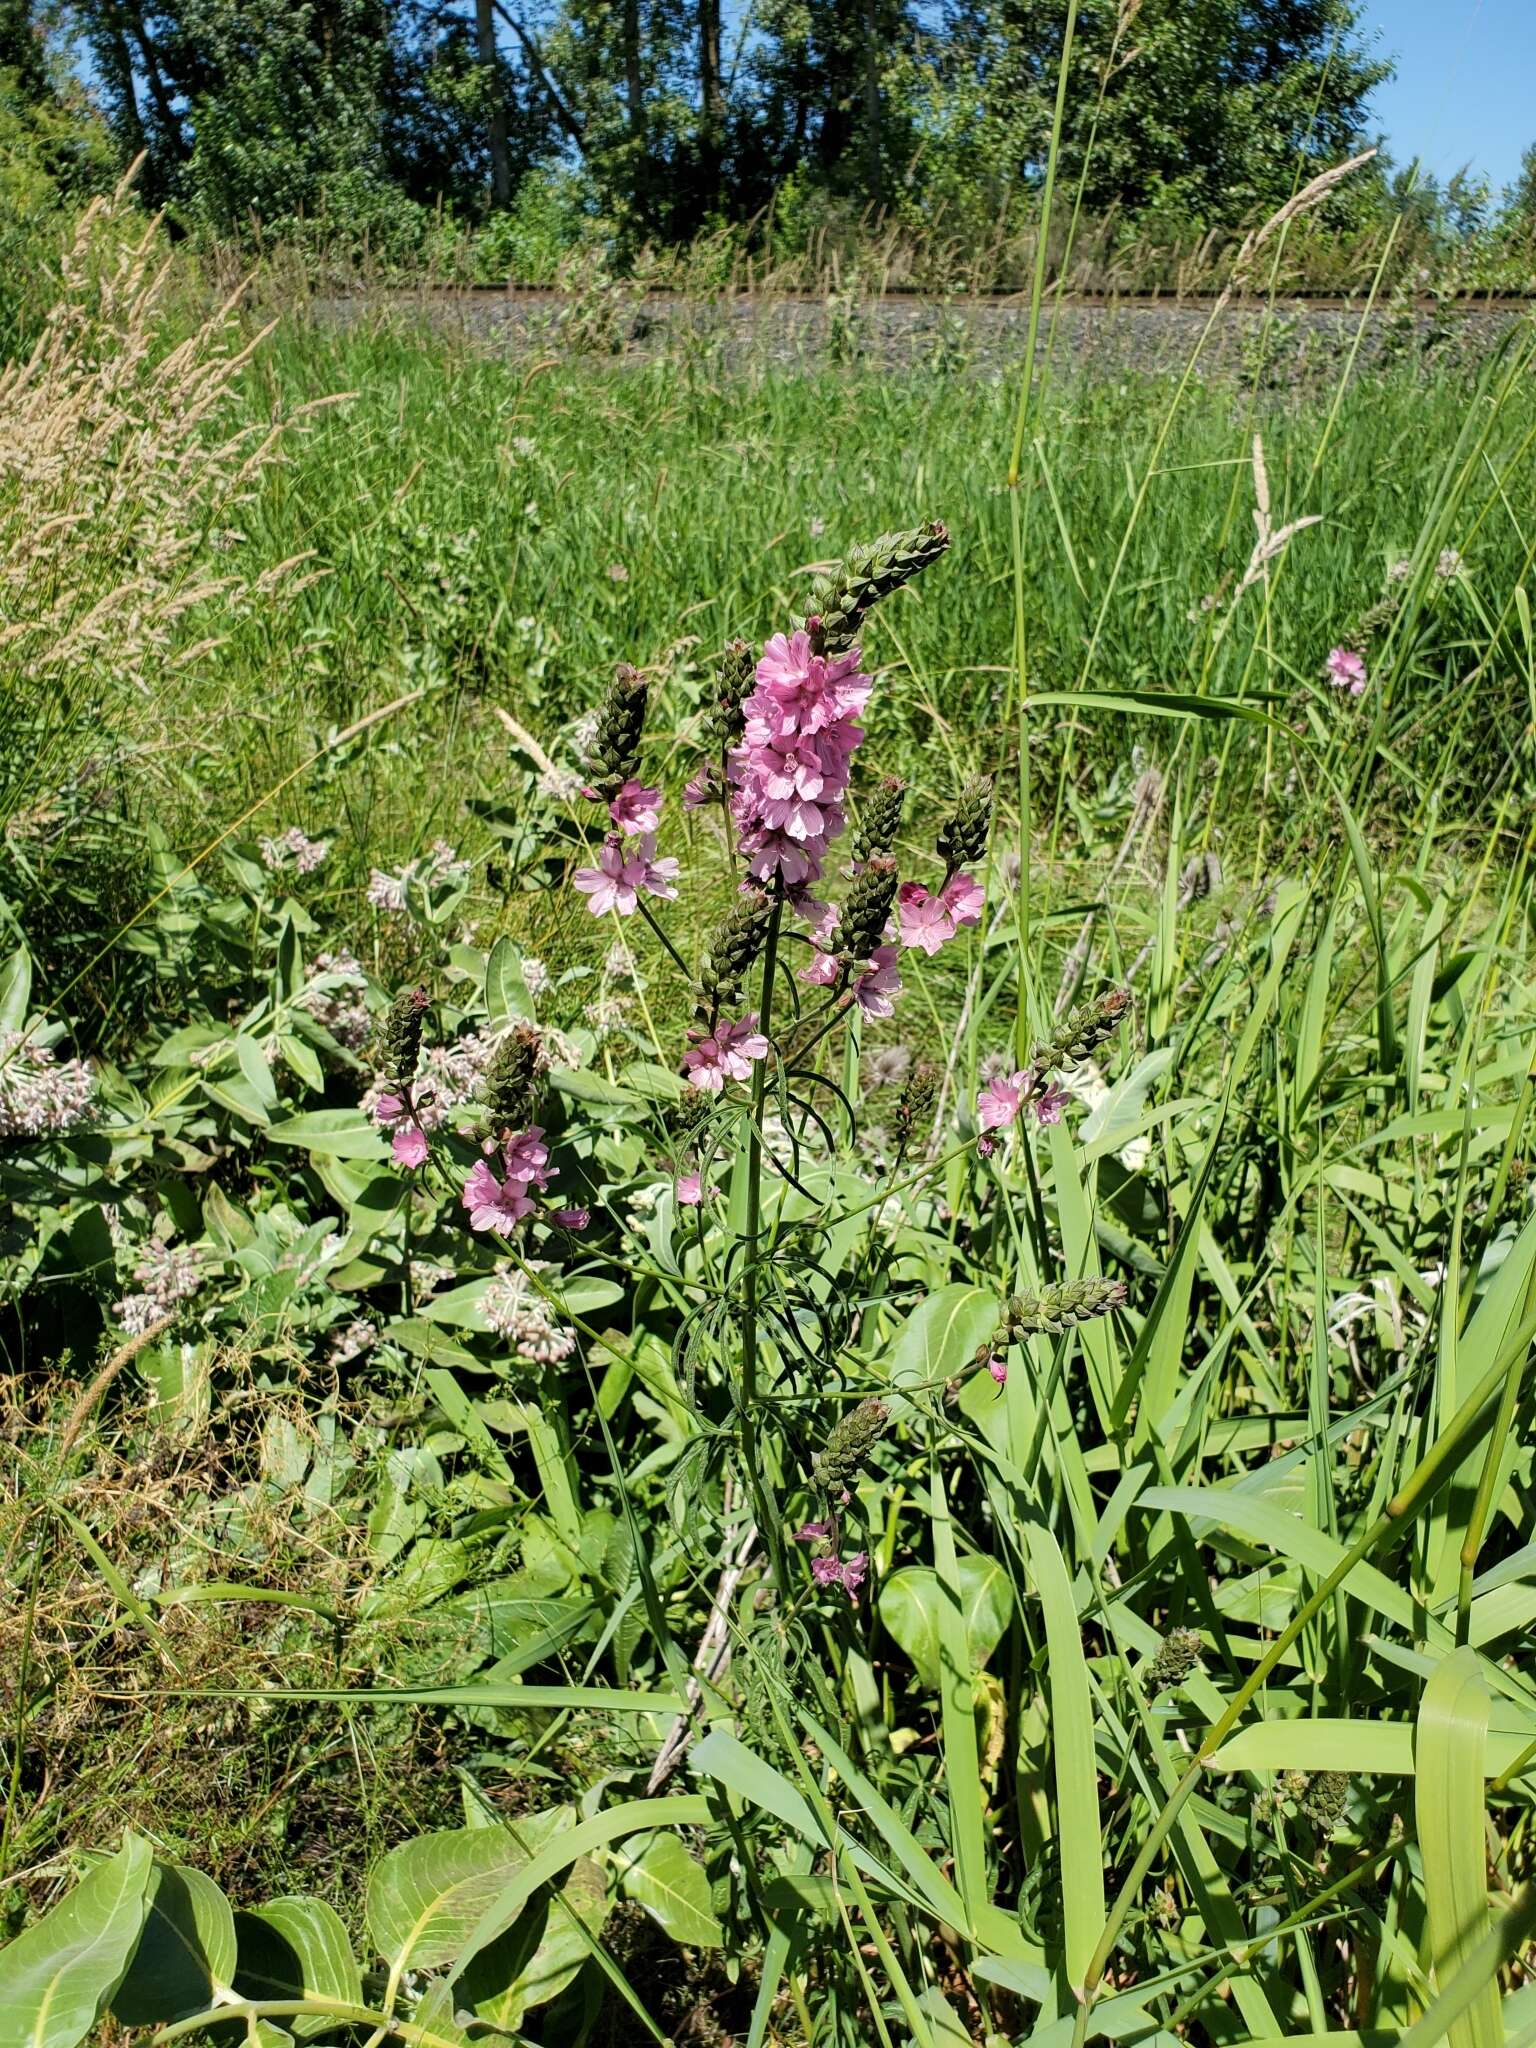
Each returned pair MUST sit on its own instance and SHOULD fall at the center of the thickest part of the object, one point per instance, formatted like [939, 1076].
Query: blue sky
[1465, 90]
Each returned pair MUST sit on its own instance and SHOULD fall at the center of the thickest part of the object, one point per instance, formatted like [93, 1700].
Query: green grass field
[1187, 1692]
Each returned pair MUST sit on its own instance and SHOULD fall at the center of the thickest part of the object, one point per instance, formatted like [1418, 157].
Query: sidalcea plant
[777, 744]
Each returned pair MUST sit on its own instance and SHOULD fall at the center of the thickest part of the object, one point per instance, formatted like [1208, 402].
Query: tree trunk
[501, 169]
[712, 112]
[872, 154]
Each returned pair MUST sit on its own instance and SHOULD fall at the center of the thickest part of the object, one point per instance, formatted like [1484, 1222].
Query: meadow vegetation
[580, 1465]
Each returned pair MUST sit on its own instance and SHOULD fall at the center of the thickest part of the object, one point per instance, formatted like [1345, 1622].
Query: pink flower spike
[409, 1146]
[876, 991]
[573, 1219]
[822, 969]
[999, 1370]
[998, 1103]
[812, 1532]
[853, 1574]
[962, 897]
[923, 920]
[726, 1055]
[1049, 1104]
[388, 1110]
[494, 1204]
[1346, 670]
[636, 808]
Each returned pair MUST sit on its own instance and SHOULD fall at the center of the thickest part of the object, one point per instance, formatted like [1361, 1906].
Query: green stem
[767, 1520]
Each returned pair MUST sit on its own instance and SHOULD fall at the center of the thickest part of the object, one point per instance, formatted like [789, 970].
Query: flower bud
[861, 926]
[838, 601]
[915, 1105]
[736, 943]
[963, 835]
[880, 820]
[399, 1042]
[1083, 1030]
[620, 723]
[838, 1463]
[512, 1084]
[726, 721]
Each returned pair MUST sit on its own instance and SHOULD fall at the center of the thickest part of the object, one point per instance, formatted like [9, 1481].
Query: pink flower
[527, 1157]
[924, 920]
[812, 1532]
[827, 1571]
[388, 1110]
[726, 1055]
[853, 1574]
[848, 1573]
[962, 897]
[1346, 670]
[998, 1370]
[636, 808]
[621, 872]
[822, 969]
[801, 692]
[573, 1219]
[701, 789]
[999, 1102]
[876, 990]
[494, 1204]
[409, 1146]
[1049, 1104]
[690, 1190]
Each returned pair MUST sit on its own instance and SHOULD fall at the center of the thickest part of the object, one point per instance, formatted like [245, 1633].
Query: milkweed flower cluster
[293, 849]
[438, 868]
[166, 1274]
[515, 1310]
[40, 1094]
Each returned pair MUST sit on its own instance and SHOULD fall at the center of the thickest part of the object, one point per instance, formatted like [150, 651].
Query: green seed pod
[880, 820]
[511, 1087]
[620, 723]
[963, 834]
[1083, 1030]
[838, 601]
[1177, 1656]
[399, 1041]
[861, 927]
[838, 1463]
[1325, 1800]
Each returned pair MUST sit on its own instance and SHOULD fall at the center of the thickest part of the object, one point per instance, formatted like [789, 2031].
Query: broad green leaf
[938, 1340]
[506, 992]
[659, 1874]
[1449, 1809]
[535, 1960]
[426, 1896]
[15, 990]
[335, 1133]
[186, 1952]
[56, 1977]
[911, 1601]
[296, 1947]
[1379, 1748]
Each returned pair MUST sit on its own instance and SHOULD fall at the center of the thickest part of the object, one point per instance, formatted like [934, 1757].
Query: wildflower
[409, 1146]
[351, 1341]
[999, 1370]
[800, 730]
[635, 808]
[1448, 564]
[849, 1573]
[166, 1274]
[573, 1219]
[1049, 1104]
[962, 897]
[526, 1157]
[701, 789]
[293, 849]
[334, 995]
[516, 1310]
[812, 1532]
[39, 1093]
[922, 919]
[535, 976]
[821, 970]
[494, 1204]
[1346, 670]
[560, 785]
[880, 821]
[620, 874]
[690, 1190]
[617, 573]
[725, 1055]
[963, 835]
[387, 1109]
[1000, 1101]
[1400, 570]
[877, 988]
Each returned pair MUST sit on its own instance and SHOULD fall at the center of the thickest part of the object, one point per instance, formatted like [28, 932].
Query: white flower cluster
[519, 1313]
[166, 1274]
[39, 1093]
[561, 785]
[351, 1341]
[432, 870]
[293, 849]
[333, 996]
